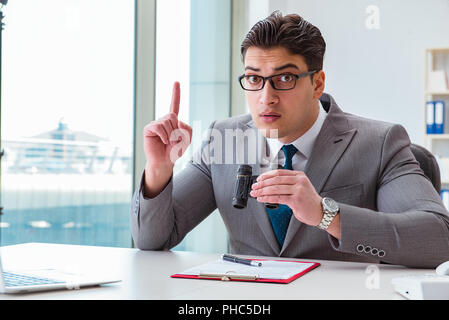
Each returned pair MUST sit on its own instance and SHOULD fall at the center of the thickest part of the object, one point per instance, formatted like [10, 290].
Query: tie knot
[289, 152]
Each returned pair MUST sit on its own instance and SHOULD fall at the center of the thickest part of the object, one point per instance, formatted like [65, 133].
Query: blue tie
[280, 217]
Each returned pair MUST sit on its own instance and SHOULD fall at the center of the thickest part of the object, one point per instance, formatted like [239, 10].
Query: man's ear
[319, 79]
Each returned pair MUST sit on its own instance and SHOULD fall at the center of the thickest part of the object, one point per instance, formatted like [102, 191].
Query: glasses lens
[284, 81]
[252, 82]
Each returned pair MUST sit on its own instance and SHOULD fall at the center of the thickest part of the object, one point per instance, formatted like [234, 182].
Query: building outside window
[67, 121]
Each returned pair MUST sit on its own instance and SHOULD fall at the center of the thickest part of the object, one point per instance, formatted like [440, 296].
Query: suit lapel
[325, 156]
[332, 141]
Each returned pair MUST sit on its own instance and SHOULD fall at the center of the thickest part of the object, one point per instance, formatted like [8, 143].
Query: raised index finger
[175, 99]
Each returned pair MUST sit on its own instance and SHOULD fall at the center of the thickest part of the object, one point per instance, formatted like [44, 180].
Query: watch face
[330, 204]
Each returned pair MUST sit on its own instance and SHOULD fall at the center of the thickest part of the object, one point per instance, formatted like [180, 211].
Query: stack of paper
[271, 270]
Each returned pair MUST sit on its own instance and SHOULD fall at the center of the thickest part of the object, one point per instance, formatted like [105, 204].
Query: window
[67, 121]
[193, 47]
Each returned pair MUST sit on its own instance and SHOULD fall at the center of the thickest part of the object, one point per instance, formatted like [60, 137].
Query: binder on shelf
[430, 117]
[439, 117]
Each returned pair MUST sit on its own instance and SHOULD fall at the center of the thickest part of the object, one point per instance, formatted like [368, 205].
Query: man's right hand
[165, 141]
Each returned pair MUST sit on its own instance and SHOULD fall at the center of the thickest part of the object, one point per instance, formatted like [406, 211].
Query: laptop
[48, 279]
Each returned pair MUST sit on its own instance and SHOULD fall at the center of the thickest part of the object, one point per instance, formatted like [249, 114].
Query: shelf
[437, 93]
[438, 50]
[437, 144]
[438, 136]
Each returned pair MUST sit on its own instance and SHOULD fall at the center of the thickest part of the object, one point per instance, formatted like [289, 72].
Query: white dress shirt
[304, 144]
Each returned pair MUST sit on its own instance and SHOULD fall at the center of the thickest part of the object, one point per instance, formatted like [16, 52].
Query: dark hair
[291, 32]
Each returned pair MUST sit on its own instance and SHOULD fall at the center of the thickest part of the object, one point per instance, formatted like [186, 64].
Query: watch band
[328, 215]
[327, 220]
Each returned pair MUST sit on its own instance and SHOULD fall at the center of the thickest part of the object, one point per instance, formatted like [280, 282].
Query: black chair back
[428, 164]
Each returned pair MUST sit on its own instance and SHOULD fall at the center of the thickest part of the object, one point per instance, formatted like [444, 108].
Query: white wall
[377, 73]
[257, 10]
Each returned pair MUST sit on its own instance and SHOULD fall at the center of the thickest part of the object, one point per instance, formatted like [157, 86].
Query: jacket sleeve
[411, 225]
[160, 223]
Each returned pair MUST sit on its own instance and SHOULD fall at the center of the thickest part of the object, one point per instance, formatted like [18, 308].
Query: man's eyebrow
[252, 68]
[288, 65]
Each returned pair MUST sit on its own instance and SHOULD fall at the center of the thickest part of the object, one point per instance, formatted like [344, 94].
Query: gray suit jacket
[389, 210]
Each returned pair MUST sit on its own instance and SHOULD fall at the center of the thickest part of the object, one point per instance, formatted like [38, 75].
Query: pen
[248, 262]
[229, 276]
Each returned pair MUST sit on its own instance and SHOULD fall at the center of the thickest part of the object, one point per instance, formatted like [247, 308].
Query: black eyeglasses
[284, 81]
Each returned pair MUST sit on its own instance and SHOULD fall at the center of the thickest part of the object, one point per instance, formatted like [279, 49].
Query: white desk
[146, 275]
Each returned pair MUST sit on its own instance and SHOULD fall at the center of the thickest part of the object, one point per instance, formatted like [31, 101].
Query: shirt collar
[304, 143]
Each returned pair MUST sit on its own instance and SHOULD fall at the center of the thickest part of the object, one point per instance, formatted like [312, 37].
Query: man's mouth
[269, 117]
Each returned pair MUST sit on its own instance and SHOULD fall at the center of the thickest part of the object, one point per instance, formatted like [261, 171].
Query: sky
[70, 60]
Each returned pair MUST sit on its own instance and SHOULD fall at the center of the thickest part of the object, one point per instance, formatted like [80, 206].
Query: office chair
[428, 164]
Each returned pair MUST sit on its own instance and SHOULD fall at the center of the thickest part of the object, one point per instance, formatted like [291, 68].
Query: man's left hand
[292, 188]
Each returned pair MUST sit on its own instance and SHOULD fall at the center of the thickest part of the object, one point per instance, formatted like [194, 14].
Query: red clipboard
[231, 277]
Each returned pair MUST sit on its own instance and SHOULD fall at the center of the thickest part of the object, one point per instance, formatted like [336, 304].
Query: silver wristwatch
[330, 210]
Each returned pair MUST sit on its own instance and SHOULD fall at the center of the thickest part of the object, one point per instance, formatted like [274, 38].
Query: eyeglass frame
[270, 78]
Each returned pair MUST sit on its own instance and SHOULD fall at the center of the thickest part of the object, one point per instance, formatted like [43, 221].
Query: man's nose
[268, 95]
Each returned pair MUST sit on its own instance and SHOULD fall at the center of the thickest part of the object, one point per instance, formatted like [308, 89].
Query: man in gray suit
[350, 188]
